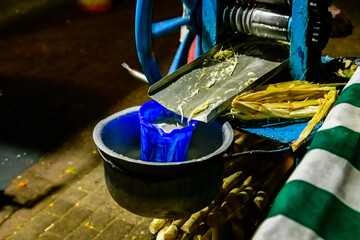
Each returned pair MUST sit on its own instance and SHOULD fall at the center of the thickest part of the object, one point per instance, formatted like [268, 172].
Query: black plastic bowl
[162, 190]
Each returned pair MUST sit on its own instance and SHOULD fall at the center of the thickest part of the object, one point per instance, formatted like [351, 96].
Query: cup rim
[189, 128]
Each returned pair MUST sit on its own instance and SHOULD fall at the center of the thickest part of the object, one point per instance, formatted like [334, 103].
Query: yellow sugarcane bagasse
[290, 100]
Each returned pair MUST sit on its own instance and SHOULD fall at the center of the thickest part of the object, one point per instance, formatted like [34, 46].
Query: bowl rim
[226, 127]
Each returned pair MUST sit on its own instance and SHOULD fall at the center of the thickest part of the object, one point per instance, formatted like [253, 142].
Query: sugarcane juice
[169, 124]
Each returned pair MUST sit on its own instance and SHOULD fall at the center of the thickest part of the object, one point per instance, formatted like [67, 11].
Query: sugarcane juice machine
[305, 24]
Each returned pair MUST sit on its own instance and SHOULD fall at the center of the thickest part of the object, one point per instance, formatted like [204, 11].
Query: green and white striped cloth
[321, 199]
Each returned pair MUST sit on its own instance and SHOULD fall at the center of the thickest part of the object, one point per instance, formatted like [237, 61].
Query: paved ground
[60, 74]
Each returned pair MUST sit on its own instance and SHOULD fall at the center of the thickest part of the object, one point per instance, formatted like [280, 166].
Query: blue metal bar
[211, 29]
[182, 52]
[143, 41]
[168, 26]
[298, 47]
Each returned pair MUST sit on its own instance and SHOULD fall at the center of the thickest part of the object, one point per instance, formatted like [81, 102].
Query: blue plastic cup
[164, 137]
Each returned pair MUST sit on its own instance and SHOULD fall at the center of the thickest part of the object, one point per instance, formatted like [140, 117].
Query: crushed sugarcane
[288, 100]
[181, 112]
[211, 83]
[347, 62]
[251, 74]
[222, 55]
[215, 69]
[348, 70]
[227, 59]
[201, 74]
[323, 110]
[199, 110]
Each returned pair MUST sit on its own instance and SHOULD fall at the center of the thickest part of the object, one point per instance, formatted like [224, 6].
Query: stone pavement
[63, 196]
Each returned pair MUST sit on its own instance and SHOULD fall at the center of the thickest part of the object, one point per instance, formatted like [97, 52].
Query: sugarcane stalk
[235, 192]
[237, 198]
[228, 208]
[173, 230]
[160, 234]
[215, 217]
[197, 237]
[220, 215]
[248, 192]
[261, 200]
[156, 224]
[218, 232]
[241, 139]
[207, 235]
[229, 182]
[200, 231]
[267, 166]
[232, 201]
[183, 236]
[191, 224]
[242, 194]
[242, 197]
[273, 182]
[232, 198]
[190, 227]
[237, 231]
[245, 162]
[245, 210]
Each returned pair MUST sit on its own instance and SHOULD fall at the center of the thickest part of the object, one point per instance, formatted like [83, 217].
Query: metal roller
[270, 2]
[259, 21]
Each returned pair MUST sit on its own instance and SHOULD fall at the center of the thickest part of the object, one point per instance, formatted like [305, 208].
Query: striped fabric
[321, 199]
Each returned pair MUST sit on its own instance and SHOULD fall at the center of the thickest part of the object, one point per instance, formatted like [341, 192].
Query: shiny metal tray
[204, 88]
